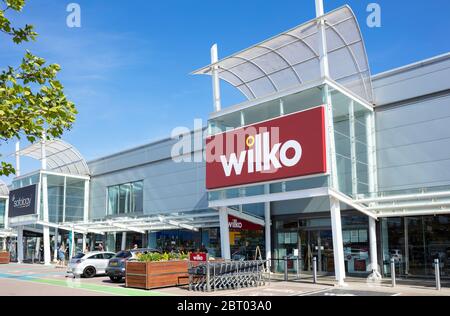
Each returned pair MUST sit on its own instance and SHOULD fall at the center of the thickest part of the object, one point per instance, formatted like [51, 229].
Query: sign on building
[292, 146]
[22, 201]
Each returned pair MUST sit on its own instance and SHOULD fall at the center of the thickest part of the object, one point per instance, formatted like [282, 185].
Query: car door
[103, 263]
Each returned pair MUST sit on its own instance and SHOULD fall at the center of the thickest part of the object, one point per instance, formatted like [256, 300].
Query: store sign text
[287, 147]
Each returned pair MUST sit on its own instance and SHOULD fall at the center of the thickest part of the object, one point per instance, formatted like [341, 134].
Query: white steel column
[20, 244]
[86, 201]
[331, 141]
[373, 188]
[324, 66]
[124, 241]
[352, 122]
[46, 229]
[84, 244]
[55, 246]
[6, 214]
[17, 159]
[267, 227]
[373, 249]
[372, 154]
[72, 244]
[37, 247]
[215, 78]
[64, 200]
[338, 246]
[224, 233]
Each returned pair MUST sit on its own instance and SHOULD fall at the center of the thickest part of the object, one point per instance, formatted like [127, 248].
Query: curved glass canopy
[292, 58]
[61, 157]
[4, 191]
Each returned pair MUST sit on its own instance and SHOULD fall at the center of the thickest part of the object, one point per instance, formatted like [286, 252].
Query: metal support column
[216, 79]
[55, 246]
[268, 235]
[336, 225]
[352, 122]
[224, 233]
[46, 229]
[124, 241]
[20, 253]
[17, 167]
[373, 249]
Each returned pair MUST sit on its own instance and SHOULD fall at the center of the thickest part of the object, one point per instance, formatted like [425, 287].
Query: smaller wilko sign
[22, 201]
[199, 257]
[238, 224]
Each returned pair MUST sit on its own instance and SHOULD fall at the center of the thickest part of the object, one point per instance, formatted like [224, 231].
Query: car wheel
[89, 272]
[116, 279]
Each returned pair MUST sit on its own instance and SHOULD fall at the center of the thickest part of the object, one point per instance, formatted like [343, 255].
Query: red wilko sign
[287, 147]
[237, 224]
[199, 257]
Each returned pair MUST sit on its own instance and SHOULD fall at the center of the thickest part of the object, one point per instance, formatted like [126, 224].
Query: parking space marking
[70, 283]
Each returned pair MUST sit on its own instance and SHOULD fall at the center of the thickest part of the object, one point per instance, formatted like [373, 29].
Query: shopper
[61, 255]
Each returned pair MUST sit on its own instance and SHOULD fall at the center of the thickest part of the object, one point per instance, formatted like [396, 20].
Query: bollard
[298, 268]
[286, 277]
[208, 277]
[315, 270]
[437, 272]
[214, 276]
[394, 282]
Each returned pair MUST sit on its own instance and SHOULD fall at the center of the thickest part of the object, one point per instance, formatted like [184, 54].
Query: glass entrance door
[317, 244]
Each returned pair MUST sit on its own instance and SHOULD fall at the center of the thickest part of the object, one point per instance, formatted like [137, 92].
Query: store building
[356, 175]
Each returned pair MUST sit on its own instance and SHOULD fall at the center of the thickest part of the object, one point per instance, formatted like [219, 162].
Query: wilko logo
[198, 257]
[291, 146]
[261, 155]
[237, 224]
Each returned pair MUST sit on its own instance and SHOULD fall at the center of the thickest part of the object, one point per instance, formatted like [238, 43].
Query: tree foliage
[32, 100]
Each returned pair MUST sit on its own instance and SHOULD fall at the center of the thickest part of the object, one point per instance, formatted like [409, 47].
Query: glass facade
[308, 237]
[352, 144]
[352, 136]
[126, 198]
[414, 243]
[2, 213]
[65, 196]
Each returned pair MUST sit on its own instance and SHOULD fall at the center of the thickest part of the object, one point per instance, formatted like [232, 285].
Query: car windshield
[123, 254]
[79, 256]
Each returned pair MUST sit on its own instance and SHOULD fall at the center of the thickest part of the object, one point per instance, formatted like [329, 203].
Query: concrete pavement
[37, 280]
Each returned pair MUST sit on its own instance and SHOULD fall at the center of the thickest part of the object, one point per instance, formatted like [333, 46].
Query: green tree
[32, 100]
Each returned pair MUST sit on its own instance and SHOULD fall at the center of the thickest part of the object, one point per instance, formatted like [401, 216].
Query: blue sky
[127, 68]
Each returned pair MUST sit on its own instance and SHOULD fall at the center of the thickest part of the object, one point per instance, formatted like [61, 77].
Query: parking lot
[37, 280]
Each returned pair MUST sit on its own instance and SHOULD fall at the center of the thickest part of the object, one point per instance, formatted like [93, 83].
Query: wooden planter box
[4, 257]
[152, 275]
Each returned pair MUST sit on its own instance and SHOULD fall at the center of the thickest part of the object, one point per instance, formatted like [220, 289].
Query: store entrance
[316, 244]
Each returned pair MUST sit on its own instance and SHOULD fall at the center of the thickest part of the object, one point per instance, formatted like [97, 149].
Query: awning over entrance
[61, 157]
[4, 191]
[412, 202]
[190, 221]
[292, 58]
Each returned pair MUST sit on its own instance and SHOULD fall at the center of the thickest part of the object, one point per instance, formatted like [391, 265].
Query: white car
[90, 264]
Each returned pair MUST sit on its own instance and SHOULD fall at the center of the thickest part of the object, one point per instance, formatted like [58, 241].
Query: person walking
[61, 256]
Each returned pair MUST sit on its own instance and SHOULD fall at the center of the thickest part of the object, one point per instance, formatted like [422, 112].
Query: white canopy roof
[61, 157]
[4, 191]
[292, 58]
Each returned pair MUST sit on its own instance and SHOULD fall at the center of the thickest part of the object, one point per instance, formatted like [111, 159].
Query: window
[126, 198]
[108, 256]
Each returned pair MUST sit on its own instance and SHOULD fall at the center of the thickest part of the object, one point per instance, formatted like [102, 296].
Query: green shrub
[157, 257]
